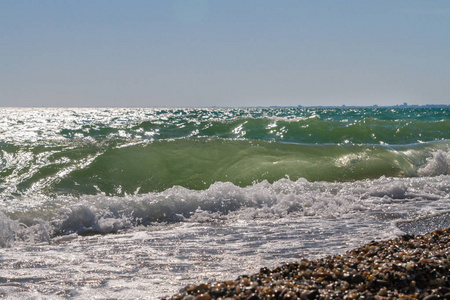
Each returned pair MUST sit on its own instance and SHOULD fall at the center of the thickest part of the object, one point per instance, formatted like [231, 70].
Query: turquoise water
[148, 200]
[127, 151]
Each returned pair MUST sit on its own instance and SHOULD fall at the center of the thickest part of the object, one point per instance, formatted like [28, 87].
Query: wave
[387, 198]
[196, 163]
[83, 171]
[304, 130]
[294, 125]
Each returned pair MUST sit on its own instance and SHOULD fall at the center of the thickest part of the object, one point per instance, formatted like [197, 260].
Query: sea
[136, 203]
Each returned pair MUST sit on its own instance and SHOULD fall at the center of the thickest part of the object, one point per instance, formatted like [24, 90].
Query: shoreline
[406, 267]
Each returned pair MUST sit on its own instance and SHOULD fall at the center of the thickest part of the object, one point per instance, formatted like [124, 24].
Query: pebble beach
[407, 267]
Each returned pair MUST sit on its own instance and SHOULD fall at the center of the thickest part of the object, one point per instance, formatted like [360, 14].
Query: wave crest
[437, 164]
[226, 202]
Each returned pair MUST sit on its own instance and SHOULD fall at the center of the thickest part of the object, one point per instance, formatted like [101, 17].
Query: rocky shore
[407, 267]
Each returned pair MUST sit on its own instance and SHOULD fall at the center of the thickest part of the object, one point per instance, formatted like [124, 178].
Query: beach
[407, 267]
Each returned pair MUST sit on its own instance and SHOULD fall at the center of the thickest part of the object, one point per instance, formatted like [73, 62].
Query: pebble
[407, 267]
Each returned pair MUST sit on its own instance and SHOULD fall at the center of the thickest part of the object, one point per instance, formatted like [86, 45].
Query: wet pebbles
[408, 267]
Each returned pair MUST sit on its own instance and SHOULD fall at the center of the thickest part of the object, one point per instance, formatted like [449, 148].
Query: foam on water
[225, 201]
[126, 151]
[137, 203]
[163, 241]
[8, 230]
[438, 164]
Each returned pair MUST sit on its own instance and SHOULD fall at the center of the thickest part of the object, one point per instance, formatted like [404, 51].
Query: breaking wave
[197, 163]
[221, 202]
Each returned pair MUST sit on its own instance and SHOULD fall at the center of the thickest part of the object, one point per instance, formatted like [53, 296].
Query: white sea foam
[58, 242]
[226, 201]
[438, 164]
[8, 230]
[193, 236]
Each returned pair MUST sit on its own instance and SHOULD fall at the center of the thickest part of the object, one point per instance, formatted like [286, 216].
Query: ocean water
[120, 203]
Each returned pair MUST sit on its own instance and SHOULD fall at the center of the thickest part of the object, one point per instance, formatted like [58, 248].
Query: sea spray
[438, 164]
[118, 201]
[226, 201]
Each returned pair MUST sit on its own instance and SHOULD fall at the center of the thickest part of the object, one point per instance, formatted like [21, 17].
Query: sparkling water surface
[137, 203]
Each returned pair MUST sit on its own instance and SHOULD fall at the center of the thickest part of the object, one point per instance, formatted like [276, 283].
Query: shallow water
[137, 203]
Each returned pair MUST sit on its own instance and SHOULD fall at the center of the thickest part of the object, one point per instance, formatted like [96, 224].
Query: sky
[201, 53]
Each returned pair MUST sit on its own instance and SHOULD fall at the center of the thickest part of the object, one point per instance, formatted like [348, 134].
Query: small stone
[312, 294]
[253, 297]
[204, 296]
[201, 288]
[382, 292]
[382, 282]
[431, 297]
[347, 277]
[357, 278]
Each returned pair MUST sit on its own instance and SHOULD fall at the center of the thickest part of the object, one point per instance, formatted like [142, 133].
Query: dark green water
[127, 151]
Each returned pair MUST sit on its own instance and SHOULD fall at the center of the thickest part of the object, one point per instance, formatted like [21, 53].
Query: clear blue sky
[223, 53]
